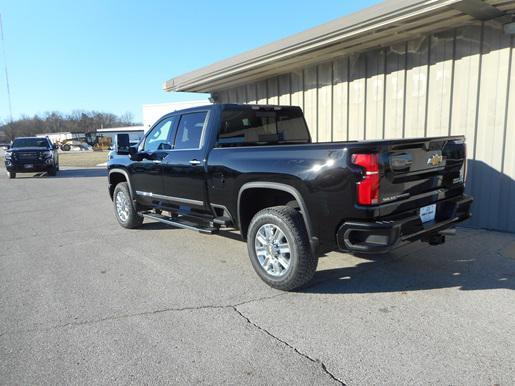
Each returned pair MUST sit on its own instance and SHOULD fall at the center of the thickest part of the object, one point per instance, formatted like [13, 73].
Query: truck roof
[224, 106]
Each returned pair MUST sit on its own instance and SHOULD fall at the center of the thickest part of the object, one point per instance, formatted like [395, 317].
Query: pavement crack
[296, 350]
[144, 313]
[260, 299]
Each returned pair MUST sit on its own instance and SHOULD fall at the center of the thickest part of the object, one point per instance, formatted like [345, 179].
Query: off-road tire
[303, 263]
[12, 175]
[134, 220]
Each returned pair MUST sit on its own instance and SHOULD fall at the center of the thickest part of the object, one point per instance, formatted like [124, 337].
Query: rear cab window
[262, 126]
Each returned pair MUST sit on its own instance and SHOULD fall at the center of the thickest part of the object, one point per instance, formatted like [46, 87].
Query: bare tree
[78, 121]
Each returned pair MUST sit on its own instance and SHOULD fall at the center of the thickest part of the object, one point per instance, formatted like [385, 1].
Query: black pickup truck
[254, 168]
[31, 154]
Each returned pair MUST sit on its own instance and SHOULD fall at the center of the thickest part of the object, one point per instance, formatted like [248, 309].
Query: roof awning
[378, 26]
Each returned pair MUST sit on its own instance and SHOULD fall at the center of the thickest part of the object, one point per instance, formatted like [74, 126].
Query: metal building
[403, 68]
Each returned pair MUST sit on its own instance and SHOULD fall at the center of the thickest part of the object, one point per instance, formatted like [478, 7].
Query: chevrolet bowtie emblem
[435, 160]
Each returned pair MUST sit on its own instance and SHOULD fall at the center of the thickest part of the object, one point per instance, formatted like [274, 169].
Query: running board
[179, 223]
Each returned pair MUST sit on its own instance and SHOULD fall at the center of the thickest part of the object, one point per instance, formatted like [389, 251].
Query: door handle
[194, 162]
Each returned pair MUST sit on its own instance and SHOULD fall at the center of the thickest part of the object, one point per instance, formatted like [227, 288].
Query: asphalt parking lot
[84, 301]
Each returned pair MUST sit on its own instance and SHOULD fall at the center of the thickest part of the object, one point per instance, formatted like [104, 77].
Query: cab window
[159, 137]
[189, 131]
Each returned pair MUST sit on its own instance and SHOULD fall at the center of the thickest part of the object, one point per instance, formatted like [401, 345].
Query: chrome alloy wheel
[272, 250]
[122, 206]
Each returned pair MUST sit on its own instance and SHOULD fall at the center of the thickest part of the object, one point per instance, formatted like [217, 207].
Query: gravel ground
[84, 301]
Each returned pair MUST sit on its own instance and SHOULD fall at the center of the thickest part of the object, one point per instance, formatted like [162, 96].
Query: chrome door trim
[170, 198]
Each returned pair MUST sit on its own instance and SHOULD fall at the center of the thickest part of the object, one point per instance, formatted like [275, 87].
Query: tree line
[55, 122]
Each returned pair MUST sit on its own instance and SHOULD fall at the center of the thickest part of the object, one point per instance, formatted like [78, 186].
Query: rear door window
[189, 132]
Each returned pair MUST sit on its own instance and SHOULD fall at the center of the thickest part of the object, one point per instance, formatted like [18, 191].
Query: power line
[6, 73]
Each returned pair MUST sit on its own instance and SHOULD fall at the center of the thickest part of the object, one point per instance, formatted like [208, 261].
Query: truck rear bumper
[384, 235]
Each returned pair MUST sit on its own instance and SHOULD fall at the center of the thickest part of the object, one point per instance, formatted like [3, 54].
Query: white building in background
[152, 112]
[60, 137]
[135, 132]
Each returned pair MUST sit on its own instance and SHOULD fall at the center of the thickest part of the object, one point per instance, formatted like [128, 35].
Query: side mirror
[54, 147]
[122, 146]
[135, 155]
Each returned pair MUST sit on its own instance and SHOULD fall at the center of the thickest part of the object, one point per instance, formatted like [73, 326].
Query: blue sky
[114, 56]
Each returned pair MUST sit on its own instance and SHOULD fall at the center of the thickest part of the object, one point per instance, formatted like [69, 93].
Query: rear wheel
[279, 249]
[12, 175]
[124, 209]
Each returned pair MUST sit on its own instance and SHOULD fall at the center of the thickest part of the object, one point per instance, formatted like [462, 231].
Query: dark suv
[32, 154]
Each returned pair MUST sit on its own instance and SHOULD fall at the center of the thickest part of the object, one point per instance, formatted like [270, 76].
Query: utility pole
[6, 73]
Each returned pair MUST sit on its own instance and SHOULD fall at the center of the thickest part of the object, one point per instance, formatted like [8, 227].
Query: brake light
[368, 187]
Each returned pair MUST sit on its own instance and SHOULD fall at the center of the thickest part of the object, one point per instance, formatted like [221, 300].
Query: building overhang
[378, 26]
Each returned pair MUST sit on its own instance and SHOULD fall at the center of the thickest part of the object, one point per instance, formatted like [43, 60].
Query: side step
[179, 222]
[223, 221]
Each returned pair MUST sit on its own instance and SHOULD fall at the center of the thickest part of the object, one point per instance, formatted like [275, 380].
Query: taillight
[368, 187]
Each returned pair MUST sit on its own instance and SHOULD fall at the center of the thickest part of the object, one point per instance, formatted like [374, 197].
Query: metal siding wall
[223, 97]
[357, 85]
[273, 91]
[487, 165]
[416, 88]
[262, 94]
[310, 100]
[325, 102]
[340, 99]
[466, 74]
[233, 95]
[241, 93]
[375, 94]
[460, 81]
[440, 83]
[297, 88]
[252, 93]
[395, 91]
[507, 198]
[284, 90]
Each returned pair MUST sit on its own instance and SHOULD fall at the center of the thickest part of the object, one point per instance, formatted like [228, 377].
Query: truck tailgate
[416, 167]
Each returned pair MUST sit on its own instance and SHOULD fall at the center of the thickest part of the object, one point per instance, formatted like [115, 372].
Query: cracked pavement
[84, 301]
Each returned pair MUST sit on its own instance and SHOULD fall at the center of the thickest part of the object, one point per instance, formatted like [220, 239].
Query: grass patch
[82, 158]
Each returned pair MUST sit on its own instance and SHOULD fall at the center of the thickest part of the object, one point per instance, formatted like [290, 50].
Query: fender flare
[126, 175]
[285, 188]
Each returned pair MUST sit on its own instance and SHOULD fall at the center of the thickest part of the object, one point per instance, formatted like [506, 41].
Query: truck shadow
[478, 260]
[66, 173]
[80, 173]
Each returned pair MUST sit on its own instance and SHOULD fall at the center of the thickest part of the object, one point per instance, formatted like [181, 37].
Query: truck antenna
[5, 68]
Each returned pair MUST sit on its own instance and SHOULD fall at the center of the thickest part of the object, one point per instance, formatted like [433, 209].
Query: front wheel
[279, 249]
[12, 175]
[124, 209]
